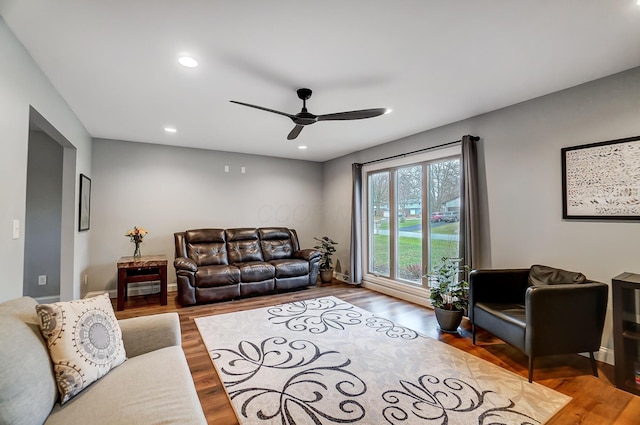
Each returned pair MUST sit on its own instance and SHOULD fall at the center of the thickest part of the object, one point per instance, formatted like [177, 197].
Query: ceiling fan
[304, 117]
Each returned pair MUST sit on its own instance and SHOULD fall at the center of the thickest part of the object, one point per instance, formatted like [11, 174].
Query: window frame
[387, 284]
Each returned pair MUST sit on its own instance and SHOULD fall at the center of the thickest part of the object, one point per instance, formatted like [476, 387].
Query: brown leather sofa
[223, 264]
[541, 311]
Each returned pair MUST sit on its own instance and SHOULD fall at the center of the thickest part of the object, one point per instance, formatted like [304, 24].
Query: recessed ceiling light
[302, 147]
[170, 129]
[188, 61]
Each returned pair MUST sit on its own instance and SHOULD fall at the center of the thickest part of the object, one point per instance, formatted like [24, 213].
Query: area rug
[325, 361]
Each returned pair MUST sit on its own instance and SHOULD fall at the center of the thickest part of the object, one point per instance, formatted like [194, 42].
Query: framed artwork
[602, 180]
[85, 203]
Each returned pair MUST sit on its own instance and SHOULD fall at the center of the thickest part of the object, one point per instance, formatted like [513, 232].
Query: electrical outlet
[42, 279]
[85, 280]
[16, 229]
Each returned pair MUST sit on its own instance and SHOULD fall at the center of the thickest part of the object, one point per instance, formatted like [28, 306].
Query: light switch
[242, 170]
[226, 168]
[16, 229]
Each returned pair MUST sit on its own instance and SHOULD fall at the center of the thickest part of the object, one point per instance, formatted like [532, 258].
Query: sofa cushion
[256, 271]
[211, 276]
[27, 386]
[152, 388]
[206, 247]
[243, 245]
[208, 254]
[276, 243]
[506, 321]
[545, 275]
[204, 235]
[84, 341]
[291, 268]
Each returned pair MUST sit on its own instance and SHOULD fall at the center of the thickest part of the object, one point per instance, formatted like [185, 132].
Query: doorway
[49, 214]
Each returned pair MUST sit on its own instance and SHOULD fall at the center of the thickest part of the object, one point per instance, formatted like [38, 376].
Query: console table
[147, 268]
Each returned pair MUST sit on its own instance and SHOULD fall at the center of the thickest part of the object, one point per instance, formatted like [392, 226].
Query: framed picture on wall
[602, 180]
[85, 203]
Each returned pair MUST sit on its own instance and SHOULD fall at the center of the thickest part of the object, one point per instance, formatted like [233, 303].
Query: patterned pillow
[84, 341]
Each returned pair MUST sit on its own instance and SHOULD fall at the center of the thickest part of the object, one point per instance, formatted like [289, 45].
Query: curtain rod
[474, 138]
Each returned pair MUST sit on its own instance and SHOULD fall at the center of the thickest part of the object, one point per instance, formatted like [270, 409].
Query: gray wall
[23, 85]
[520, 148]
[43, 218]
[168, 189]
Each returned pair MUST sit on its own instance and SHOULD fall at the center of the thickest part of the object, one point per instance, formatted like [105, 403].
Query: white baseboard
[145, 289]
[341, 277]
[604, 355]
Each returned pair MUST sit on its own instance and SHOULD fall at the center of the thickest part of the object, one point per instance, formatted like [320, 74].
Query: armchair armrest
[148, 333]
[504, 286]
[307, 254]
[565, 318]
[183, 263]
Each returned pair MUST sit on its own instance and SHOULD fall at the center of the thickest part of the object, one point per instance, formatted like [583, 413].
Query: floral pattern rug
[325, 361]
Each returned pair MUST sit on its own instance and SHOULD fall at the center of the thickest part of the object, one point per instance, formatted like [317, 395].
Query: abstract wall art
[602, 180]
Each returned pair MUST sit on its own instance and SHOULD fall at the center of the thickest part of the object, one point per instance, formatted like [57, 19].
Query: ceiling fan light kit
[304, 117]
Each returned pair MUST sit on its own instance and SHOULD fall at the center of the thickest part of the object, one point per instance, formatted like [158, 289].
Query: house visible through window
[412, 214]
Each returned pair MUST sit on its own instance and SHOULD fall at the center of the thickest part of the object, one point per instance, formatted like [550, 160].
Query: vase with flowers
[136, 235]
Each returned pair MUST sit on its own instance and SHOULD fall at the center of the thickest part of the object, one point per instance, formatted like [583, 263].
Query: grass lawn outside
[410, 251]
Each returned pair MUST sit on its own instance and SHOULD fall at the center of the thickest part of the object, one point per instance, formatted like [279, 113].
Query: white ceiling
[432, 62]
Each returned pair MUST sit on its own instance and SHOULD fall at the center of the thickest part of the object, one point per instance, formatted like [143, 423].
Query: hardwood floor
[595, 400]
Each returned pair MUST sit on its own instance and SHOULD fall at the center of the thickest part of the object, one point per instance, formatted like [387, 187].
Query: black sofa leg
[473, 333]
[530, 369]
[594, 367]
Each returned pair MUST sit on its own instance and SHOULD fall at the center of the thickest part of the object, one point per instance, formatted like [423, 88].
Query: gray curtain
[355, 266]
[469, 204]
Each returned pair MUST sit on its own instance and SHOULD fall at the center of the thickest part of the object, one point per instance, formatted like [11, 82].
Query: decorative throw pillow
[545, 275]
[84, 341]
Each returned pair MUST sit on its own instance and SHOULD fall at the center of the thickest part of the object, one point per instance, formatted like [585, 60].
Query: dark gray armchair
[541, 311]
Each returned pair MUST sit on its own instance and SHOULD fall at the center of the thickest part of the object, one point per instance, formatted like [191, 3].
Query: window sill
[415, 294]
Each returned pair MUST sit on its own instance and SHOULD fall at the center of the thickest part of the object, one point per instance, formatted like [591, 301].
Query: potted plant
[449, 293]
[326, 247]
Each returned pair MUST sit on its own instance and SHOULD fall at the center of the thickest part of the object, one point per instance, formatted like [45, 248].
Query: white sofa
[152, 386]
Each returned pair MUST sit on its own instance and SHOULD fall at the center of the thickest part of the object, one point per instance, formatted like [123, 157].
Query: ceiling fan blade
[294, 133]
[263, 108]
[353, 115]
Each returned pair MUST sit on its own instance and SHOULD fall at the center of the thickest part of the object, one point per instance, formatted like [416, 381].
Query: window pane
[404, 240]
[444, 209]
[409, 223]
[379, 250]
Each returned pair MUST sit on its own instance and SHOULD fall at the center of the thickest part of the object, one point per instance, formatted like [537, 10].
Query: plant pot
[448, 320]
[326, 275]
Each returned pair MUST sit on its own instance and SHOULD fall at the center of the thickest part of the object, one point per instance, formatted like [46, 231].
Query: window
[412, 214]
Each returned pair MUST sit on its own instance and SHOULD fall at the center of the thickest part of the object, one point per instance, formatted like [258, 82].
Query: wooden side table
[146, 268]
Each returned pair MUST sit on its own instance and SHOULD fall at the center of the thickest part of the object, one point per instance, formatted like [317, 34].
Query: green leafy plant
[448, 285]
[327, 248]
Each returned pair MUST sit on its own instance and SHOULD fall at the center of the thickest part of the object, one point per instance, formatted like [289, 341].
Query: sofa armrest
[148, 333]
[307, 254]
[183, 263]
[565, 318]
